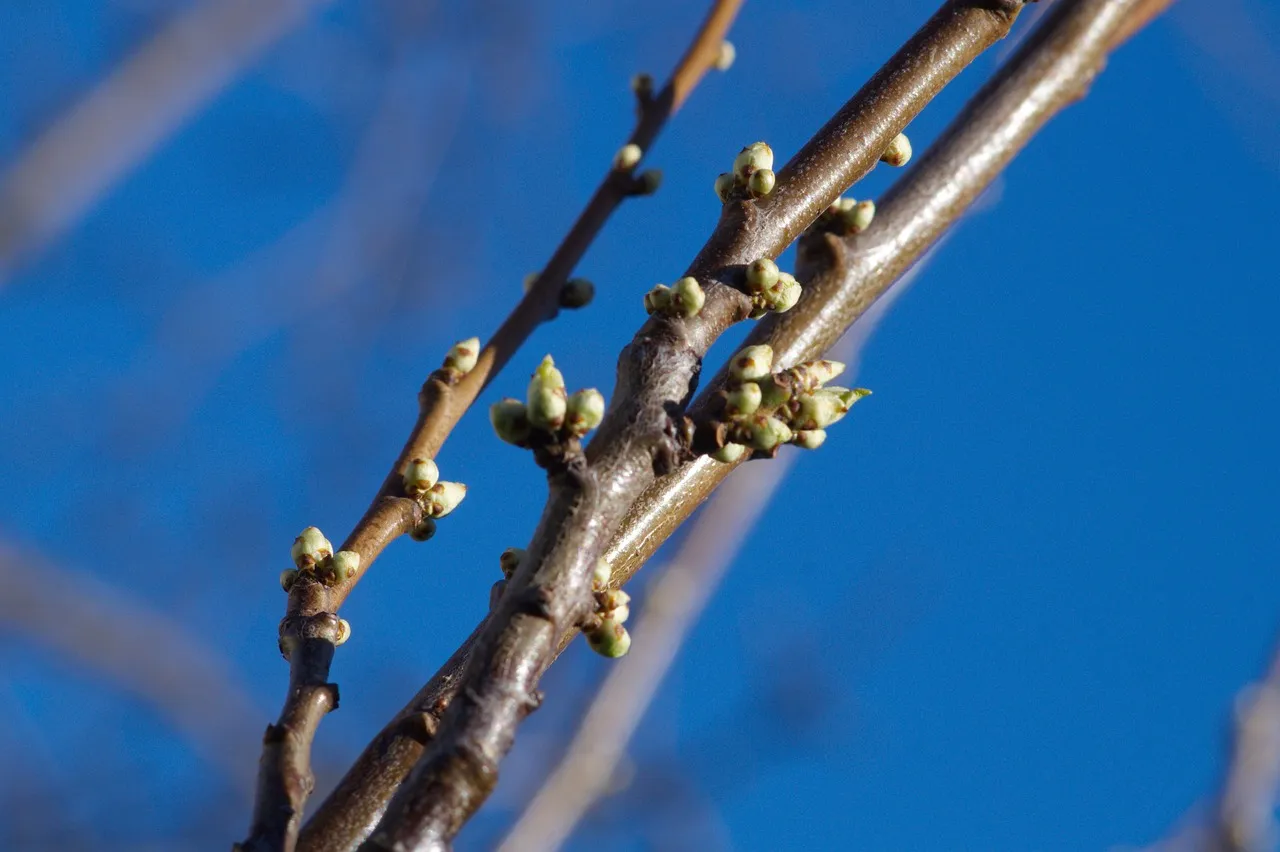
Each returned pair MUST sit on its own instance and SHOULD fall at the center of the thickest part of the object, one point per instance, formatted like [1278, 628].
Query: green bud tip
[463, 356]
[344, 565]
[724, 185]
[729, 453]
[763, 432]
[687, 297]
[424, 530]
[642, 85]
[444, 497]
[546, 400]
[344, 632]
[761, 275]
[419, 475]
[814, 374]
[761, 182]
[600, 574]
[627, 157]
[899, 151]
[510, 560]
[650, 181]
[287, 578]
[584, 411]
[809, 439]
[510, 419]
[309, 548]
[725, 56]
[817, 410]
[657, 300]
[743, 399]
[755, 157]
[754, 362]
[610, 640]
[577, 293]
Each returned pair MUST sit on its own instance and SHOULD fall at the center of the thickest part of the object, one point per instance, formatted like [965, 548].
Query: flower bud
[817, 410]
[729, 453]
[510, 560]
[419, 475]
[424, 530]
[463, 356]
[657, 300]
[861, 216]
[344, 632]
[510, 419]
[608, 602]
[761, 182]
[849, 396]
[742, 400]
[577, 293]
[611, 639]
[443, 498]
[546, 396]
[789, 297]
[288, 577]
[584, 411]
[753, 362]
[649, 181]
[642, 85]
[809, 439]
[687, 297]
[600, 574]
[627, 157]
[725, 56]
[814, 374]
[773, 393]
[762, 274]
[309, 548]
[724, 185]
[755, 157]
[344, 565]
[899, 151]
[763, 432]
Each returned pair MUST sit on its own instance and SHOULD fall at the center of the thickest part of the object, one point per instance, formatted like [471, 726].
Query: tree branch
[657, 372]
[311, 628]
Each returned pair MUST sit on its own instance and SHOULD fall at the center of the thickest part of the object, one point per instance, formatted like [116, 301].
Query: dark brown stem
[657, 373]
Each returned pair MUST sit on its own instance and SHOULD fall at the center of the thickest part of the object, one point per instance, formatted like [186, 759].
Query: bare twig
[550, 591]
[127, 116]
[311, 627]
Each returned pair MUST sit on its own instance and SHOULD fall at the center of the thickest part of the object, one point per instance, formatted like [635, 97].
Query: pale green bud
[642, 85]
[773, 394]
[687, 297]
[755, 157]
[577, 293]
[763, 432]
[546, 403]
[600, 575]
[862, 216]
[725, 56]
[310, 548]
[510, 419]
[510, 560]
[443, 498]
[419, 475]
[344, 565]
[657, 300]
[724, 185]
[817, 410]
[742, 400]
[753, 362]
[729, 453]
[814, 374]
[789, 296]
[609, 601]
[344, 632]
[424, 530]
[849, 396]
[762, 274]
[288, 577]
[899, 151]
[809, 439]
[761, 182]
[649, 181]
[584, 411]
[611, 639]
[463, 356]
[627, 157]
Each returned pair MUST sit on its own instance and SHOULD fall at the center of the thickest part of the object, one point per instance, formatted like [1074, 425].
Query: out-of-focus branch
[134, 649]
[107, 134]
[311, 627]
[639, 438]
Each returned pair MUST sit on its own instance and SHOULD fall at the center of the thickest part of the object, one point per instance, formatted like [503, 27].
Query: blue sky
[1036, 566]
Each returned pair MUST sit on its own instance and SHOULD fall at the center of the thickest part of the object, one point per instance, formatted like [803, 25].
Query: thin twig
[639, 438]
[113, 129]
[310, 627]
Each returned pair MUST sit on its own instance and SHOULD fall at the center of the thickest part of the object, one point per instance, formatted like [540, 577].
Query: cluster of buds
[761, 410]
[752, 172]
[421, 481]
[547, 410]
[685, 298]
[462, 358]
[313, 555]
[845, 217]
[770, 289]
[606, 633]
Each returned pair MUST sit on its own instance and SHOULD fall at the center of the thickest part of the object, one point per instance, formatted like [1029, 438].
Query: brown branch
[310, 627]
[657, 371]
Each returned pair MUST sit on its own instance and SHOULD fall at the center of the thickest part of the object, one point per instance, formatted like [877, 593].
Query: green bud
[725, 56]
[657, 300]
[817, 410]
[288, 577]
[510, 560]
[742, 400]
[577, 293]
[600, 574]
[849, 396]
[899, 151]
[761, 275]
[687, 297]
[463, 356]
[584, 411]
[344, 632]
[862, 216]
[546, 396]
[510, 419]
[724, 185]
[642, 85]
[310, 548]
[809, 439]
[729, 453]
[649, 181]
[627, 157]
[761, 182]
[424, 530]
[443, 498]
[609, 601]
[763, 432]
[419, 475]
[755, 157]
[752, 363]
[789, 297]
[814, 374]
[611, 639]
[773, 394]
[344, 565]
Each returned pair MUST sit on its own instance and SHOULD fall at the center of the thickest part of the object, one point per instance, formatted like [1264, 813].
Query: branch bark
[310, 627]
[657, 373]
